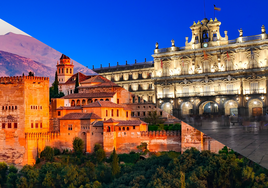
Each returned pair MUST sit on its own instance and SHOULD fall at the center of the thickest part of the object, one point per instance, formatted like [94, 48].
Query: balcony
[254, 91]
[162, 96]
[208, 93]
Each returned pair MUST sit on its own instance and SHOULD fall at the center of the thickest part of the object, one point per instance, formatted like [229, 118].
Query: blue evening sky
[102, 32]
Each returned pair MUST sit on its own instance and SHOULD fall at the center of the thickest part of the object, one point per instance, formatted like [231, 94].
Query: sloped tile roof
[89, 95]
[98, 124]
[102, 82]
[80, 116]
[72, 79]
[70, 108]
[108, 104]
[125, 122]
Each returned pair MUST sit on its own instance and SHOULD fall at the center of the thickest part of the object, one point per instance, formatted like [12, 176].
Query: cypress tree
[115, 164]
[76, 83]
[55, 85]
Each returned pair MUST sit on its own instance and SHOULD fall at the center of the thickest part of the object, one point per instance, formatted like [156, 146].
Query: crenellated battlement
[160, 133]
[22, 78]
[41, 135]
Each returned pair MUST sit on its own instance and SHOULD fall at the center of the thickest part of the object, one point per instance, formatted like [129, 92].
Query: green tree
[97, 147]
[153, 119]
[47, 153]
[100, 155]
[78, 145]
[115, 164]
[54, 89]
[11, 180]
[3, 172]
[76, 83]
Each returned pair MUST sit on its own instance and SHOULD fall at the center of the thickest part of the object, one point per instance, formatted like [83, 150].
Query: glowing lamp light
[231, 103]
[255, 102]
[215, 104]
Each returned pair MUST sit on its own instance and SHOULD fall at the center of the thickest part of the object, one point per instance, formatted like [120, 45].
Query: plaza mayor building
[209, 75]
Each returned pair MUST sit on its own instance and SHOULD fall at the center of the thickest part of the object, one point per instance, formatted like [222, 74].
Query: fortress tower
[64, 69]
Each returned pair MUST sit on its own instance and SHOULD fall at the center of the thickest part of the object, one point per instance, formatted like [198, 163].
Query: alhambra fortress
[211, 75]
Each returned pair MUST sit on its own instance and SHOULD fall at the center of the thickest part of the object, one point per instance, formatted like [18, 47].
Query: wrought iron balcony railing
[254, 91]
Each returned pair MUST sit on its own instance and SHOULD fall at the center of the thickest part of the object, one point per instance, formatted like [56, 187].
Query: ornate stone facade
[209, 75]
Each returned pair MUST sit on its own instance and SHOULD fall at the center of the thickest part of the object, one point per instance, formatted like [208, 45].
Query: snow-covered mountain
[31, 48]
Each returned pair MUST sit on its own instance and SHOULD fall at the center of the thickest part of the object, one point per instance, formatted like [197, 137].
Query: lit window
[41, 126]
[32, 125]
[36, 125]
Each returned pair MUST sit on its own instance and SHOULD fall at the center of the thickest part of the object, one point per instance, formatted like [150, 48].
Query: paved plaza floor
[249, 138]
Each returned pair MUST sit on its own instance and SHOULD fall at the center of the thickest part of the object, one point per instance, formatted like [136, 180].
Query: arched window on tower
[205, 36]
[71, 71]
[67, 70]
[62, 70]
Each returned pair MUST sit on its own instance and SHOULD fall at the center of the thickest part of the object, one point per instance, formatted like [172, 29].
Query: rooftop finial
[172, 42]
[240, 32]
[194, 23]
[156, 45]
[263, 30]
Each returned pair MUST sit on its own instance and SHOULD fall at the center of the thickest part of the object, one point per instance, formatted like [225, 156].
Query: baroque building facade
[209, 75]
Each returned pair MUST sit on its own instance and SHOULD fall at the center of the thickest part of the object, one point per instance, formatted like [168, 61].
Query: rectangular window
[144, 113]
[117, 113]
[229, 88]
[106, 113]
[16, 107]
[117, 101]
[58, 113]
[138, 113]
[185, 91]
[41, 126]
[15, 125]
[36, 125]
[132, 114]
[126, 113]
[254, 86]
[3, 125]
[206, 90]
[112, 112]
[161, 113]
[32, 125]
[70, 127]
[9, 125]
[133, 127]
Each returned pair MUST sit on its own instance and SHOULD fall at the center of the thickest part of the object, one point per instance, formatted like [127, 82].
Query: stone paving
[248, 138]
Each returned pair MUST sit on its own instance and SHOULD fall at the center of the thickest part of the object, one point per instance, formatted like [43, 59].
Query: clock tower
[206, 34]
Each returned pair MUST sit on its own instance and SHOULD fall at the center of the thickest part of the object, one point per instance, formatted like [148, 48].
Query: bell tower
[64, 69]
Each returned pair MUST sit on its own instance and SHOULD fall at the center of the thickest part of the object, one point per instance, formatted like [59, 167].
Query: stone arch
[186, 108]
[208, 107]
[89, 101]
[231, 107]
[255, 107]
[167, 107]
[73, 103]
[83, 102]
[78, 103]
